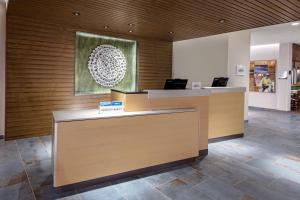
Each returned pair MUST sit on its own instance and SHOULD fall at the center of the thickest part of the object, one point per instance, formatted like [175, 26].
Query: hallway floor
[264, 165]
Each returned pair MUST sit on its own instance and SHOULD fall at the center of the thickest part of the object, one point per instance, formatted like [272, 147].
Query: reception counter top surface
[177, 93]
[79, 115]
[225, 89]
[130, 92]
[206, 91]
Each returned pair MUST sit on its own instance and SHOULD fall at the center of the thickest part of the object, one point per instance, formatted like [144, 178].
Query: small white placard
[240, 70]
[196, 85]
[111, 106]
[283, 74]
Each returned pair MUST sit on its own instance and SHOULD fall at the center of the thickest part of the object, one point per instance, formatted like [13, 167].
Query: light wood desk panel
[199, 102]
[132, 102]
[96, 148]
[138, 102]
[226, 114]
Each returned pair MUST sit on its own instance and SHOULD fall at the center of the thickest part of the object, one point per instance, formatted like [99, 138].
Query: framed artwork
[103, 63]
[263, 76]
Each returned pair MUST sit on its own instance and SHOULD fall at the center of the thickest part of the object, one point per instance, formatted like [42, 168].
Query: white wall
[281, 33]
[281, 99]
[201, 59]
[284, 85]
[2, 65]
[239, 54]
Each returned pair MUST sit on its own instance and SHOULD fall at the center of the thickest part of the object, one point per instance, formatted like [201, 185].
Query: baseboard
[127, 175]
[230, 137]
[24, 136]
[267, 109]
[203, 152]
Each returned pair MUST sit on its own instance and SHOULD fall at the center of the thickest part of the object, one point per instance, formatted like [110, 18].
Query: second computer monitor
[220, 82]
[175, 84]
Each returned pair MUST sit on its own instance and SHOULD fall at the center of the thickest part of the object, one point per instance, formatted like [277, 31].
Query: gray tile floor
[265, 164]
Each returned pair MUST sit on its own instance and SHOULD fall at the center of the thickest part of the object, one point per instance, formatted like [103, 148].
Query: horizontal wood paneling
[40, 73]
[156, 18]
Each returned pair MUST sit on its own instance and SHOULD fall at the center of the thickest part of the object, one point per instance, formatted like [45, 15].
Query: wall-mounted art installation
[263, 76]
[104, 63]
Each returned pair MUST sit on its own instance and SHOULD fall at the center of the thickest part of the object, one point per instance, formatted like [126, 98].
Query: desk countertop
[205, 91]
[79, 115]
[177, 93]
[225, 89]
[130, 92]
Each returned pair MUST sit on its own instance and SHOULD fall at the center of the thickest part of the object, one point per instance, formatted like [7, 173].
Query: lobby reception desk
[221, 109]
[88, 145]
[158, 127]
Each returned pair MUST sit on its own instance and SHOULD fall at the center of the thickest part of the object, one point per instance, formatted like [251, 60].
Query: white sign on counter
[111, 106]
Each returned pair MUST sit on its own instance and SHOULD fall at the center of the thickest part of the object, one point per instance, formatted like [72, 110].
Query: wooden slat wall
[40, 73]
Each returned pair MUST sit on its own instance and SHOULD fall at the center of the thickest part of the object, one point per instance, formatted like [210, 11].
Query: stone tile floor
[264, 165]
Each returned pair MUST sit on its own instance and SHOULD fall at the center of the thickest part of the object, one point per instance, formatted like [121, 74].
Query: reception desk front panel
[100, 146]
[226, 115]
[221, 108]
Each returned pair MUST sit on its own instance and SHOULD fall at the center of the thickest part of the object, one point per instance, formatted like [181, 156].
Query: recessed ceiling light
[76, 13]
[130, 24]
[171, 32]
[222, 21]
[130, 31]
[106, 27]
[295, 24]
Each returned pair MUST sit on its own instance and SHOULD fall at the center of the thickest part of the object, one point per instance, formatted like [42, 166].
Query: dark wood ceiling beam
[270, 8]
[280, 6]
[294, 3]
[257, 9]
[228, 13]
[178, 15]
[155, 18]
[253, 14]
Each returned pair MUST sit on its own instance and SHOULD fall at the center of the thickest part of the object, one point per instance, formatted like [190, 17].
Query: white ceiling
[282, 33]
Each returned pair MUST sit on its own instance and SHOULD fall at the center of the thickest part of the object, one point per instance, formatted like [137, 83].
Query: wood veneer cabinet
[96, 146]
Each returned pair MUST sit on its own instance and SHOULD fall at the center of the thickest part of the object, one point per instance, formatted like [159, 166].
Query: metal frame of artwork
[104, 63]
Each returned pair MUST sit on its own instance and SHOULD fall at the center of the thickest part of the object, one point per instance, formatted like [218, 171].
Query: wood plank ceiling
[156, 18]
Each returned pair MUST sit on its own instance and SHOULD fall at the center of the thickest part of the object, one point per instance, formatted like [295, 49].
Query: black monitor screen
[175, 84]
[220, 82]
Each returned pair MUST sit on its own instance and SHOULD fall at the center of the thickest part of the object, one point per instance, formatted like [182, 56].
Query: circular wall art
[107, 65]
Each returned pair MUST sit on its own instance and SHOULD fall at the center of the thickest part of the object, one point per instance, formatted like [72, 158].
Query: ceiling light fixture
[130, 31]
[275, 45]
[222, 21]
[295, 24]
[130, 24]
[76, 13]
[171, 32]
[106, 27]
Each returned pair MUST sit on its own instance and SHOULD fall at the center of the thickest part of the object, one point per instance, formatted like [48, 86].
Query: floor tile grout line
[157, 189]
[165, 182]
[120, 192]
[23, 164]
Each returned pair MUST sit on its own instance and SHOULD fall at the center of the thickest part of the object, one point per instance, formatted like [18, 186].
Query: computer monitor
[175, 84]
[220, 82]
